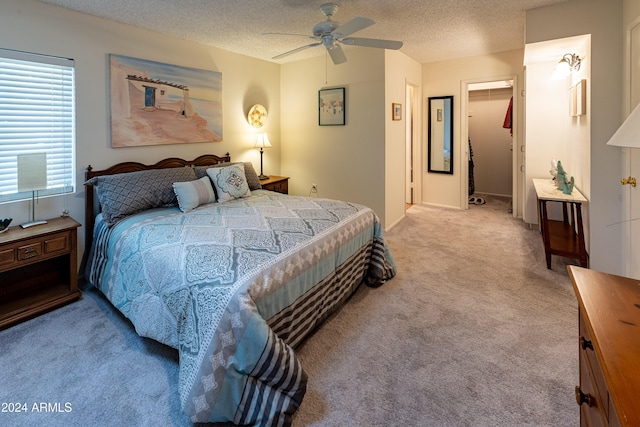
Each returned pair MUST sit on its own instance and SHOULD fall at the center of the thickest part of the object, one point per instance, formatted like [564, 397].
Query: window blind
[37, 115]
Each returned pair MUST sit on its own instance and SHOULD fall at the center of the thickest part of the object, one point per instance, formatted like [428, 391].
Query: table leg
[584, 257]
[545, 232]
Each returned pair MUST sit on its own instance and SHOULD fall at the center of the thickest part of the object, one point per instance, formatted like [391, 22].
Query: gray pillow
[249, 172]
[230, 182]
[128, 193]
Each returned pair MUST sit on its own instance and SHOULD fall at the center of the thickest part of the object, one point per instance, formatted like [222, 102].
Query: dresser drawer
[591, 412]
[588, 354]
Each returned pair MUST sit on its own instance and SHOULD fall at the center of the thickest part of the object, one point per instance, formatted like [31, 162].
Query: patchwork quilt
[233, 286]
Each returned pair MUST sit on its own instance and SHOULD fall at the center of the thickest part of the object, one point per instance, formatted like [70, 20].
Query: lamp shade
[262, 141]
[562, 70]
[628, 134]
[32, 171]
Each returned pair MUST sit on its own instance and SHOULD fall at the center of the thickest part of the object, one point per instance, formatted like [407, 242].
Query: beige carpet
[473, 331]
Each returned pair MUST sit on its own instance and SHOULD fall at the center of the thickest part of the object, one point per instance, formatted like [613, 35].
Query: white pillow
[192, 194]
[230, 182]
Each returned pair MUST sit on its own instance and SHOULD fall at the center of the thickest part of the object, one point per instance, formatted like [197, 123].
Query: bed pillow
[249, 172]
[124, 194]
[230, 182]
[192, 194]
[252, 177]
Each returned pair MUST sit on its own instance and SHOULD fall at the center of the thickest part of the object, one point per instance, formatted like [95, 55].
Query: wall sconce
[569, 62]
[32, 176]
[257, 116]
[628, 135]
[262, 141]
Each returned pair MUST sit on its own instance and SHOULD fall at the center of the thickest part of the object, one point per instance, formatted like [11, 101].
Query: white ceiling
[432, 30]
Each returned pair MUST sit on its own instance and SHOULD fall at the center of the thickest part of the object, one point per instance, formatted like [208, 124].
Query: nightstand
[38, 269]
[276, 183]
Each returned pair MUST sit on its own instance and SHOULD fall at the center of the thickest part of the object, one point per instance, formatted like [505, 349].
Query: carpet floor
[473, 331]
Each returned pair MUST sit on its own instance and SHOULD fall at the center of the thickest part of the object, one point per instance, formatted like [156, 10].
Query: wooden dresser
[609, 348]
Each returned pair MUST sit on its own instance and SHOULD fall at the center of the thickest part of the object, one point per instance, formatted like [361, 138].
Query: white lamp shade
[262, 141]
[562, 71]
[628, 134]
[32, 171]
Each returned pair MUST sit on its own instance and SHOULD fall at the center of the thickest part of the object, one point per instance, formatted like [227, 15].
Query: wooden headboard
[92, 209]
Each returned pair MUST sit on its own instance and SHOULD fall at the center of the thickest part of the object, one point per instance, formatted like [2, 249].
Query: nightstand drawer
[30, 251]
[278, 184]
[56, 244]
[7, 256]
[280, 187]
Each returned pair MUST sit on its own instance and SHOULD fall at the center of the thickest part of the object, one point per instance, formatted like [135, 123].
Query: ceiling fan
[331, 34]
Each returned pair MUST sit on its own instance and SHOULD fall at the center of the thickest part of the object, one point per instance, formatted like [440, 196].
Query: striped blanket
[234, 286]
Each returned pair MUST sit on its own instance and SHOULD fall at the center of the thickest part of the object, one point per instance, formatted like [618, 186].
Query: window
[37, 115]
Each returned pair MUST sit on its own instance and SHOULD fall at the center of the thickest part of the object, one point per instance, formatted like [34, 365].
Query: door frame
[464, 136]
[412, 141]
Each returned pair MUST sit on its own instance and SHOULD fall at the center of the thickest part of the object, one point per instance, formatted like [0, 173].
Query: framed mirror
[440, 133]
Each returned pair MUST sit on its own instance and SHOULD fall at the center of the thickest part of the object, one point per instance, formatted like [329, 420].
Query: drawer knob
[584, 398]
[585, 344]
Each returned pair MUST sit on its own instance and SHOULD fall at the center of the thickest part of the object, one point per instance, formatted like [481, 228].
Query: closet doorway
[490, 135]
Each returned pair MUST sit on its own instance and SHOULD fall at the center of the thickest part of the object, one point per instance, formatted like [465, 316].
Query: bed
[233, 280]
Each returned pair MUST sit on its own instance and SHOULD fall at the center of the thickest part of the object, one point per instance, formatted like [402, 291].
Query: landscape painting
[153, 103]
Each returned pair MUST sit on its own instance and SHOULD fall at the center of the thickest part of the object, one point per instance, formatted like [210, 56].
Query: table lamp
[262, 141]
[32, 176]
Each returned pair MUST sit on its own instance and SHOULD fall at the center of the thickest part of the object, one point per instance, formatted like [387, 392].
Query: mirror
[440, 147]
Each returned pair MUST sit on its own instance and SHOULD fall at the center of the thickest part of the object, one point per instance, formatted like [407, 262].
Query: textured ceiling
[431, 30]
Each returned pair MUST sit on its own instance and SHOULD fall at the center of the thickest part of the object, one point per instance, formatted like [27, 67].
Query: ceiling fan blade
[384, 44]
[336, 54]
[356, 24]
[288, 34]
[296, 50]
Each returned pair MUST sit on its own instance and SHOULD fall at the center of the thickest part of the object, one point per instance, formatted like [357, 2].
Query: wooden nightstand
[276, 183]
[38, 269]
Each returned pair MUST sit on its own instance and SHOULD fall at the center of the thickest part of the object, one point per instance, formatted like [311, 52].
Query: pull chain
[326, 66]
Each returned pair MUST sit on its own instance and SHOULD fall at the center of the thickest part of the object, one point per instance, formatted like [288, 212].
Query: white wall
[400, 70]
[552, 132]
[346, 162]
[30, 26]
[601, 19]
[446, 78]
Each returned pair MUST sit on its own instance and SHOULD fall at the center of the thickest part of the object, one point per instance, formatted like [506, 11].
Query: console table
[561, 237]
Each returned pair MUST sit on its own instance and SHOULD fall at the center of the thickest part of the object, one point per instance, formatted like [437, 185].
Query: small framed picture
[331, 107]
[396, 111]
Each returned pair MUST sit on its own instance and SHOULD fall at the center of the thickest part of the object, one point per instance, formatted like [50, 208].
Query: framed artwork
[578, 98]
[396, 111]
[154, 103]
[331, 107]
